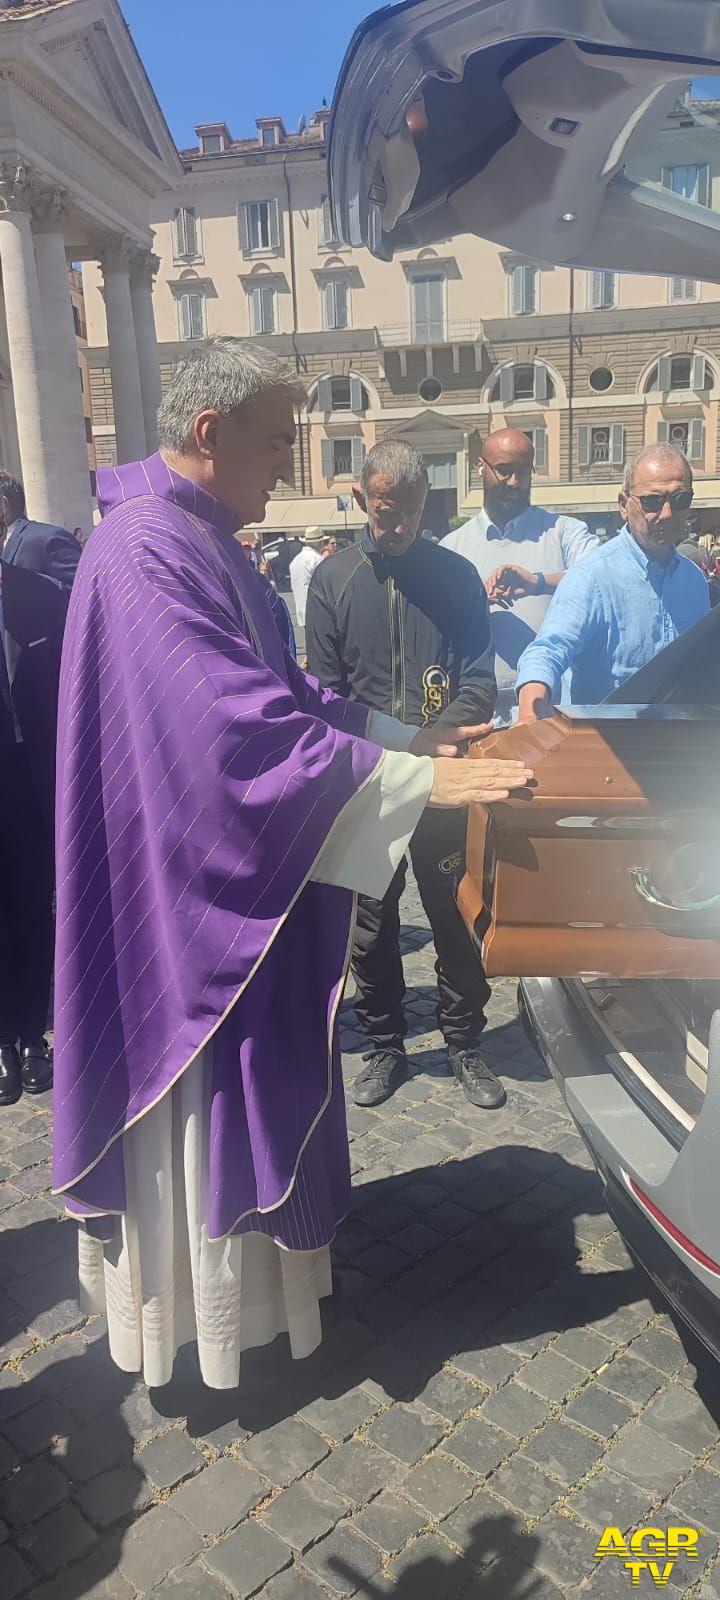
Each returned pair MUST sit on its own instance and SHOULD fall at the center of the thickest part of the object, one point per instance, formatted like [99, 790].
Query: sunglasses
[681, 501]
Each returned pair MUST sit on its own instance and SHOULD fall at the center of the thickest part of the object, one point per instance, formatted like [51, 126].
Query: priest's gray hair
[671, 454]
[400, 463]
[223, 375]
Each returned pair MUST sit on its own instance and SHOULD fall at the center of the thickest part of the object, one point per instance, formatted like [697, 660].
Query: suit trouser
[437, 851]
[26, 897]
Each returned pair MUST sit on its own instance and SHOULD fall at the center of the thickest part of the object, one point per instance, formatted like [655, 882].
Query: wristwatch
[542, 587]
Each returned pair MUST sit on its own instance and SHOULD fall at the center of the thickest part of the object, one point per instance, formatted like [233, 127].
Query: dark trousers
[437, 851]
[26, 905]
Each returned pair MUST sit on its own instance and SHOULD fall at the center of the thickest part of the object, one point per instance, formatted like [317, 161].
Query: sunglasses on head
[680, 501]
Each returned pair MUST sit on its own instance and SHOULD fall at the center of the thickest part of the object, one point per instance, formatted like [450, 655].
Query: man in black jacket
[37, 568]
[403, 626]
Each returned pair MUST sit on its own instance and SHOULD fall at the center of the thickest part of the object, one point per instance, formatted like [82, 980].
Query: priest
[216, 811]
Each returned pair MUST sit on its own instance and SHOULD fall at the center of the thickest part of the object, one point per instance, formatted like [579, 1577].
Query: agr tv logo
[649, 1551]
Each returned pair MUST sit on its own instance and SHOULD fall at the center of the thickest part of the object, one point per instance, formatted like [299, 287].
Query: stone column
[31, 388]
[142, 274]
[66, 413]
[124, 365]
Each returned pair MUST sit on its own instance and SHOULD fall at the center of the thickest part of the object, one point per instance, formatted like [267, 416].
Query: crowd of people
[220, 810]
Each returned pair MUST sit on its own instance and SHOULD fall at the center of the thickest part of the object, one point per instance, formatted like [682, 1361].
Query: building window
[191, 314]
[683, 289]
[326, 227]
[430, 390]
[342, 394]
[336, 304]
[427, 298]
[690, 182]
[88, 430]
[269, 137]
[523, 282]
[263, 308]
[259, 227]
[601, 379]
[77, 321]
[602, 446]
[342, 458]
[539, 440]
[679, 372]
[601, 290]
[186, 234]
[688, 436]
[524, 382]
[212, 144]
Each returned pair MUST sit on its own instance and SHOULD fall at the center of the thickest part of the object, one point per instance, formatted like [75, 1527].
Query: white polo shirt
[538, 540]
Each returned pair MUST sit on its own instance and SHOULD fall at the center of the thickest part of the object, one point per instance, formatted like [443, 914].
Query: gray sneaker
[481, 1086]
[384, 1073]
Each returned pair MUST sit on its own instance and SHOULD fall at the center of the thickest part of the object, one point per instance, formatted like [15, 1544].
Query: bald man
[520, 551]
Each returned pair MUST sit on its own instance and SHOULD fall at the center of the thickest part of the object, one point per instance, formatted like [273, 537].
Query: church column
[124, 364]
[142, 274]
[66, 414]
[26, 342]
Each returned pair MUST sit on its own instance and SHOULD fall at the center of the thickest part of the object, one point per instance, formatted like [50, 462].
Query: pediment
[431, 428]
[88, 61]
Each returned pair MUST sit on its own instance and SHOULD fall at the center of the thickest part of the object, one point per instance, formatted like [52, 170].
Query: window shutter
[196, 315]
[595, 287]
[663, 432]
[507, 386]
[179, 231]
[667, 177]
[274, 224]
[541, 449]
[697, 376]
[584, 446]
[328, 465]
[696, 440]
[185, 324]
[341, 303]
[541, 381]
[324, 395]
[665, 374]
[358, 456]
[191, 230]
[516, 291]
[326, 223]
[357, 398]
[703, 186]
[244, 227]
[617, 444]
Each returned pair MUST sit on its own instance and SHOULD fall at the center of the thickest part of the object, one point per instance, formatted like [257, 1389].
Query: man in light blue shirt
[620, 606]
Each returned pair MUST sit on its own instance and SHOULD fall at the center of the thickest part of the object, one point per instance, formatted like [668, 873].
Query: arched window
[341, 394]
[524, 381]
[680, 372]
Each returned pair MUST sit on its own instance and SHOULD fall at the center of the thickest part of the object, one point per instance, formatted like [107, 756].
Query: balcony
[428, 336]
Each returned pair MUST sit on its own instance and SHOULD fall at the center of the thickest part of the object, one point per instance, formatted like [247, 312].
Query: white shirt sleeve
[576, 540]
[372, 833]
[388, 732]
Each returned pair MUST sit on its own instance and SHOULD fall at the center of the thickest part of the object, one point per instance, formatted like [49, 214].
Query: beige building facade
[440, 346]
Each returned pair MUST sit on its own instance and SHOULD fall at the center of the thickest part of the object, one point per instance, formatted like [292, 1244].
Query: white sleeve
[576, 540]
[373, 831]
[388, 732]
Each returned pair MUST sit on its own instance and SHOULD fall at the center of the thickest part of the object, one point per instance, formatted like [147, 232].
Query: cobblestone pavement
[495, 1383]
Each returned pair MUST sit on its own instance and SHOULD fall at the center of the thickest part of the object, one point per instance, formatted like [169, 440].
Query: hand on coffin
[446, 741]
[534, 702]
[509, 583]
[464, 783]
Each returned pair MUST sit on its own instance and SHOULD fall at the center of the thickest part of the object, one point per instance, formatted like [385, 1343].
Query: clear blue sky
[233, 61]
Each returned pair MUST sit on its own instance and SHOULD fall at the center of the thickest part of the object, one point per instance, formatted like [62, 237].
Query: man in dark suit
[37, 568]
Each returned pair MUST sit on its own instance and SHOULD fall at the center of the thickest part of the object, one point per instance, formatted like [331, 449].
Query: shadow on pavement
[499, 1540]
[510, 1277]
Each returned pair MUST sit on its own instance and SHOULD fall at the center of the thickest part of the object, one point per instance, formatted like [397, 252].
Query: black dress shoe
[384, 1073]
[481, 1086]
[10, 1076]
[37, 1070]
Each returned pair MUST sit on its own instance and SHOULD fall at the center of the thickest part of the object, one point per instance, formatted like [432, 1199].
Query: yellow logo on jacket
[649, 1551]
[436, 683]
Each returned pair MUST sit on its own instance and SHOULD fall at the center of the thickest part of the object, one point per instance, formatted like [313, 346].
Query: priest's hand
[446, 741]
[464, 783]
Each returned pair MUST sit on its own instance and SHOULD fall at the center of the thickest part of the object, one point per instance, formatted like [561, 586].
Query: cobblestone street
[495, 1384]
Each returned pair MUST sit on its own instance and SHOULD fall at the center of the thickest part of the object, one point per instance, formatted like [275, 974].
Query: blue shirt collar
[644, 561]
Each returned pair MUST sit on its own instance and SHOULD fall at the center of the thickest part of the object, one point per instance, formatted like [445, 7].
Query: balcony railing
[401, 336]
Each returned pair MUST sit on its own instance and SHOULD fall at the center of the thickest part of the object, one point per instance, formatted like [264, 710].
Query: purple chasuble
[200, 773]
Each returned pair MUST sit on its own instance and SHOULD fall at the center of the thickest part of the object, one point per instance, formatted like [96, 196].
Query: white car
[525, 121]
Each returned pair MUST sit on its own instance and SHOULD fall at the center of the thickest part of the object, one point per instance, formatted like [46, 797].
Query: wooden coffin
[610, 866]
